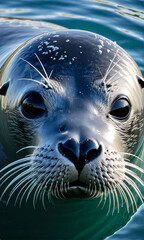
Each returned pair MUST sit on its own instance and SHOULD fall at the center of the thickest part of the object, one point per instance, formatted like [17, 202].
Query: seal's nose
[80, 153]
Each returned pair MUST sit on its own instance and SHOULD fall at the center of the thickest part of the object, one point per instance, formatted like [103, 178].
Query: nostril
[90, 149]
[93, 154]
[70, 149]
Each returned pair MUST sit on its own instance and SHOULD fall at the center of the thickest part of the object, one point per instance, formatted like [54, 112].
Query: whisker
[115, 192]
[26, 159]
[22, 181]
[130, 154]
[121, 68]
[124, 195]
[109, 193]
[56, 192]
[14, 180]
[33, 80]
[113, 196]
[107, 72]
[101, 199]
[120, 193]
[34, 68]
[49, 192]
[45, 183]
[114, 64]
[37, 191]
[26, 148]
[129, 193]
[120, 77]
[30, 183]
[31, 187]
[65, 188]
[29, 177]
[47, 78]
[134, 175]
[133, 166]
[61, 188]
[50, 74]
[43, 199]
[134, 186]
[104, 198]
[132, 197]
[13, 171]
[39, 187]
[59, 193]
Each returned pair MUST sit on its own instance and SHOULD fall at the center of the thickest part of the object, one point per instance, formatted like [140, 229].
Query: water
[121, 21]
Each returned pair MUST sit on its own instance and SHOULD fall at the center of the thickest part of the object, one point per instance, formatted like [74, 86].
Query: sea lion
[73, 101]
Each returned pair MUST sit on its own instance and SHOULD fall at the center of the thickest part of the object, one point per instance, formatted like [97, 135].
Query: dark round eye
[121, 108]
[33, 106]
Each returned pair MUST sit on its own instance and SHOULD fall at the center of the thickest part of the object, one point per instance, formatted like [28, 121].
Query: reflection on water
[13, 10]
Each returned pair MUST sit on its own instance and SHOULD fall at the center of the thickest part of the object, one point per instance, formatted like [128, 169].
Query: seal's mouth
[77, 189]
[77, 184]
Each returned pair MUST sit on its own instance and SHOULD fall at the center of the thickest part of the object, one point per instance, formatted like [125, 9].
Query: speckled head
[77, 97]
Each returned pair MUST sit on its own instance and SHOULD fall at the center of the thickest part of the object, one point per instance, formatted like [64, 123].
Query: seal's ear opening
[4, 88]
[140, 81]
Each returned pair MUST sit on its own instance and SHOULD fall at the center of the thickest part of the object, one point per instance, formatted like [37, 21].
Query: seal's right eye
[33, 106]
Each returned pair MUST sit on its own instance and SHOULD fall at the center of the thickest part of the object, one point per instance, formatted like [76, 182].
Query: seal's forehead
[74, 51]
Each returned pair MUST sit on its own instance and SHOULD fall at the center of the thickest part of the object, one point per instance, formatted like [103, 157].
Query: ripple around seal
[121, 21]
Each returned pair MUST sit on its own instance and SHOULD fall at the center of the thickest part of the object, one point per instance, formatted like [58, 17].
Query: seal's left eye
[33, 106]
[121, 108]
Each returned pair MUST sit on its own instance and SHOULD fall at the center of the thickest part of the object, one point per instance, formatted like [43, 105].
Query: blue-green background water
[121, 21]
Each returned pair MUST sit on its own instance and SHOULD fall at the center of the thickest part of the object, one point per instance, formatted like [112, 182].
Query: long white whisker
[37, 191]
[14, 180]
[31, 187]
[134, 175]
[134, 186]
[27, 148]
[104, 198]
[22, 181]
[29, 178]
[132, 197]
[39, 186]
[108, 70]
[133, 166]
[121, 68]
[124, 195]
[101, 199]
[61, 188]
[13, 171]
[26, 159]
[31, 182]
[42, 67]
[33, 80]
[113, 201]
[34, 68]
[109, 193]
[116, 198]
[43, 199]
[130, 154]
[129, 193]
[49, 191]
[114, 64]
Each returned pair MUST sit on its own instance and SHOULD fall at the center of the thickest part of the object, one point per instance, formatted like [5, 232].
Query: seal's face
[75, 99]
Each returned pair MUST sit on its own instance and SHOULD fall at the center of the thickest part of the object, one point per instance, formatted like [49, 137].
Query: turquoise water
[121, 21]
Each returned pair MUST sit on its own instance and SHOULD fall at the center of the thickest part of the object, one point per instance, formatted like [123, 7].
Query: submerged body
[72, 114]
